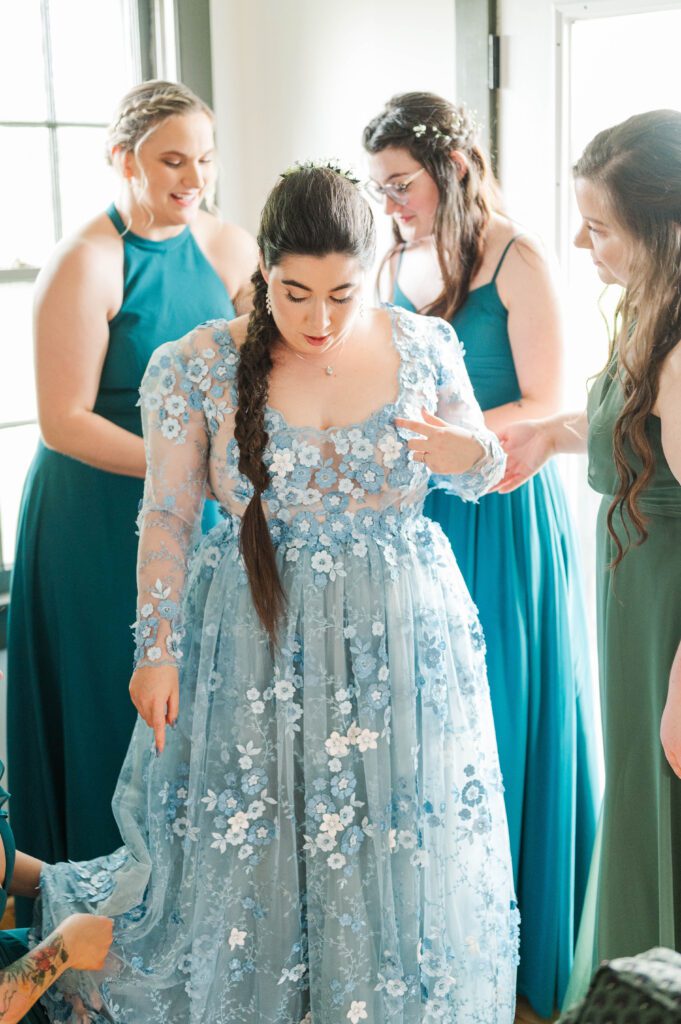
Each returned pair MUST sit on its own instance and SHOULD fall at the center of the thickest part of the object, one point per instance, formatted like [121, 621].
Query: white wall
[298, 79]
[527, 107]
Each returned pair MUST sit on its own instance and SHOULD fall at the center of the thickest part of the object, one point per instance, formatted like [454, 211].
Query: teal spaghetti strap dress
[518, 557]
[14, 943]
[72, 603]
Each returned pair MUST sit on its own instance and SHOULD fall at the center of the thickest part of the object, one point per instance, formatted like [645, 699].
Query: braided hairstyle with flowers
[430, 128]
[311, 211]
[143, 109]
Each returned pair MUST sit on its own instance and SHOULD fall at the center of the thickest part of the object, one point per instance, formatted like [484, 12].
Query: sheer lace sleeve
[177, 446]
[457, 404]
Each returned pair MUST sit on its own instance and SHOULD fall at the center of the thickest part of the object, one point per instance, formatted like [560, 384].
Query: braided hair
[430, 128]
[143, 109]
[311, 211]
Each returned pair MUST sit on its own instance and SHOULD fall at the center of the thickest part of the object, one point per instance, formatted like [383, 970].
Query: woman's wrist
[564, 433]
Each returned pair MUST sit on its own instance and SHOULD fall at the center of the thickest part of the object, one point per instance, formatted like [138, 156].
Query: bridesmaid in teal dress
[143, 272]
[517, 552]
[81, 941]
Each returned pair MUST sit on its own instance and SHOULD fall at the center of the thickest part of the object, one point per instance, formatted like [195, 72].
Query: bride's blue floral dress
[323, 840]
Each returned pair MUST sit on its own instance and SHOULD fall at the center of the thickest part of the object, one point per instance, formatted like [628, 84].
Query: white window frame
[136, 13]
[567, 12]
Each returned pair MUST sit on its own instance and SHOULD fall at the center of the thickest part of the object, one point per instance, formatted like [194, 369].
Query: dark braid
[311, 211]
[255, 364]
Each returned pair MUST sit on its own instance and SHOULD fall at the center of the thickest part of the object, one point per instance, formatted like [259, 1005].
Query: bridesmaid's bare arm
[76, 296]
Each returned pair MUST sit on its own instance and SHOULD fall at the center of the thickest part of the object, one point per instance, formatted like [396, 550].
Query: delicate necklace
[328, 369]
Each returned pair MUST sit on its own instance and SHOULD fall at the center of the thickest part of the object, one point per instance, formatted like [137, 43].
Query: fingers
[673, 762]
[418, 444]
[108, 939]
[173, 706]
[434, 421]
[510, 483]
[415, 425]
[158, 724]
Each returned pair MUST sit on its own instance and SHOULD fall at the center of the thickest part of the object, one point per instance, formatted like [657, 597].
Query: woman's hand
[155, 692]
[443, 448]
[528, 445]
[670, 725]
[87, 940]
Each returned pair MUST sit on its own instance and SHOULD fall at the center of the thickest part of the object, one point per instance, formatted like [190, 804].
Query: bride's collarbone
[327, 401]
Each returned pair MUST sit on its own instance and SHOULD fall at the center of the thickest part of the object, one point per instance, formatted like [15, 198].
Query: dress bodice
[168, 287]
[328, 488]
[662, 496]
[482, 327]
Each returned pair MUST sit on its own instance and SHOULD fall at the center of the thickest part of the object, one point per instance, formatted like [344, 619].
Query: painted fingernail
[173, 725]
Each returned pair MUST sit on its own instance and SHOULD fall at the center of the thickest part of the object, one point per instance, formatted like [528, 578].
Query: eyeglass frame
[380, 192]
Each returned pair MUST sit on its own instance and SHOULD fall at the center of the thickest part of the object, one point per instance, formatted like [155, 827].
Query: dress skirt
[324, 837]
[518, 557]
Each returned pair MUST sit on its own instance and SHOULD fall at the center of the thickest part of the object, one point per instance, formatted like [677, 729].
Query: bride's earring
[268, 302]
[361, 306]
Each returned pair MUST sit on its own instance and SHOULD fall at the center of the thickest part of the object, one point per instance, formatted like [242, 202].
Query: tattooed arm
[81, 941]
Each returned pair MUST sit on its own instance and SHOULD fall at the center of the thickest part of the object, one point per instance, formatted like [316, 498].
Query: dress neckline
[130, 238]
[386, 408]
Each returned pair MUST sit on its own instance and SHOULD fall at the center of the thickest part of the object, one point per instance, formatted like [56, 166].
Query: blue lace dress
[324, 838]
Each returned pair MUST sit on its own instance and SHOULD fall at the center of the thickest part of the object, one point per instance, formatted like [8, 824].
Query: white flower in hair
[331, 164]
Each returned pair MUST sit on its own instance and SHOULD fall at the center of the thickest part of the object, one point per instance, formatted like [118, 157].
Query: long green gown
[634, 894]
[14, 943]
[70, 647]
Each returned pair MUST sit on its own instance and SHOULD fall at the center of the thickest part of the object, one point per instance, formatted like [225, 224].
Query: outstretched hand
[528, 447]
[442, 447]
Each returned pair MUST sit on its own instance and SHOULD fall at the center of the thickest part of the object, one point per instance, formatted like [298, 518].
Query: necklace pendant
[329, 371]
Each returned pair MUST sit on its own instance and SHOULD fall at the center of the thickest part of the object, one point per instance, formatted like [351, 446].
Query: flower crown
[330, 165]
[461, 130]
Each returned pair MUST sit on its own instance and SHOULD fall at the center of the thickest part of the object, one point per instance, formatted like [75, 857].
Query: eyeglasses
[396, 192]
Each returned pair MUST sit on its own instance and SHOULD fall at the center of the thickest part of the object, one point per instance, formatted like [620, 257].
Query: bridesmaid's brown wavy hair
[637, 164]
[311, 211]
[465, 204]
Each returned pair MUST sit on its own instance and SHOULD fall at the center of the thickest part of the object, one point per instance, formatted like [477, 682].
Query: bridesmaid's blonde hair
[144, 108]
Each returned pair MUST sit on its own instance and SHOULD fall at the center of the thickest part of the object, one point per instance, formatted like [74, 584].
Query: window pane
[90, 78]
[17, 390]
[17, 445]
[22, 70]
[605, 50]
[27, 233]
[87, 183]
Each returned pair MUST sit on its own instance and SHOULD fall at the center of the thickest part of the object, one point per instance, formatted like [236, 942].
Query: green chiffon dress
[73, 597]
[13, 943]
[634, 893]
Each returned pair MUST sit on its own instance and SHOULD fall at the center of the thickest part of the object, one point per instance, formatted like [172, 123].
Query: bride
[321, 835]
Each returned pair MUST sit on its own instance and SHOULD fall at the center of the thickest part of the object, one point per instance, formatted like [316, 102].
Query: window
[64, 64]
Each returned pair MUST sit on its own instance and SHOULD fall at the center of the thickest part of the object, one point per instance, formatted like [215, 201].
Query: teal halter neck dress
[518, 557]
[73, 594]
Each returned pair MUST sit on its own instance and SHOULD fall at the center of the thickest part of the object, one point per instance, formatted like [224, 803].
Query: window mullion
[52, 117]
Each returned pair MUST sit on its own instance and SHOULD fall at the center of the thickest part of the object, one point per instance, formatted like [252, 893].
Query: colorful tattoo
[23, 982]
